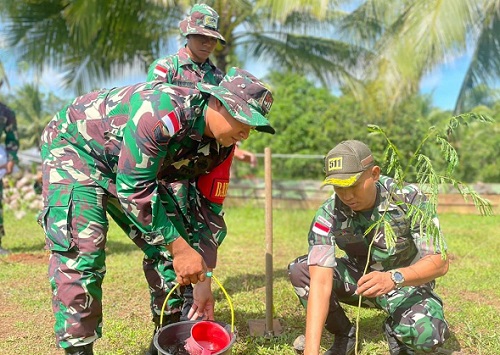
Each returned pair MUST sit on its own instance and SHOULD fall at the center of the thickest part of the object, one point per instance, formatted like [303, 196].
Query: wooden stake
[269, 242]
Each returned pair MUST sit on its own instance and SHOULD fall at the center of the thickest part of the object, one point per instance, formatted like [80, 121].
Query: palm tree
[386, 45]
[33, 112]
[94, 40]
[413, 37]
[88, 39]
[3, 76]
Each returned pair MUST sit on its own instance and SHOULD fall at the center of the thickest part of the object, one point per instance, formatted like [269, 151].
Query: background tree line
[310, 120]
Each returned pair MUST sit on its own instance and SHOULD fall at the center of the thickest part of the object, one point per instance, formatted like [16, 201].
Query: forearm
[426, 269]
[317, 307]
[315, 320]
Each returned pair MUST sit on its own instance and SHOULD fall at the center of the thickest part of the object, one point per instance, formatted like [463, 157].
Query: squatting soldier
[115, 151]
[8, 125]
[400, 278]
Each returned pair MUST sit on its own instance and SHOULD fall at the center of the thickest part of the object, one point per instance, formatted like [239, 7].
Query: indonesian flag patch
[160, 71]
[321, 226]
[171, 122]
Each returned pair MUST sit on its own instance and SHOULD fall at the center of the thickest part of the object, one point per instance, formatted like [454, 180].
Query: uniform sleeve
[426, 233]
[209, 221]
[12, 138]
[211, 229]
[143, 151]
[321, 240]
[202, 219]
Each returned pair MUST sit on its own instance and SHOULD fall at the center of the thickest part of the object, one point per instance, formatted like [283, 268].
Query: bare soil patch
[27, 258]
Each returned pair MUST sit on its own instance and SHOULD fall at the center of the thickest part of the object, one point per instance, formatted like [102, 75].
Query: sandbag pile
[19, 193]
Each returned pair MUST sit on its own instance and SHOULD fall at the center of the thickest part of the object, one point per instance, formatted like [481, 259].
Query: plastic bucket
[207, 338]
[171, 339]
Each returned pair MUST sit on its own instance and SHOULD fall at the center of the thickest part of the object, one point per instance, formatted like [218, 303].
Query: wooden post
[269, 242]
[267, 327]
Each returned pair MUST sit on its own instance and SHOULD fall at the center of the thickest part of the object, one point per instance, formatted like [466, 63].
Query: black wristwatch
[397, 277]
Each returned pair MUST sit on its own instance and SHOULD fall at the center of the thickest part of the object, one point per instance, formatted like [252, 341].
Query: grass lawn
[470, 290]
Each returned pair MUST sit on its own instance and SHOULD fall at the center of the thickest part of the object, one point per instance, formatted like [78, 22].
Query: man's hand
[375, 284]
[203, 304]
[189, 266]
[246, 156]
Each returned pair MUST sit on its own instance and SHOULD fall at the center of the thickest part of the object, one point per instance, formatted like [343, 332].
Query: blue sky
[444, 83]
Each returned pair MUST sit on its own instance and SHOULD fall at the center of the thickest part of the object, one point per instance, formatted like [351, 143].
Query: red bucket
[207, 338]
[172, 339]
[199, 337]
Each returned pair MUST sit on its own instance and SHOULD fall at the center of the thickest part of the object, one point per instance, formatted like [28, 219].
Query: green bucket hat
[202, 20]
[345, 163]
[245, 97]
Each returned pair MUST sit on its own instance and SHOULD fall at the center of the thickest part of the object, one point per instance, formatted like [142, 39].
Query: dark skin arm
[377, 283]
[188, 263]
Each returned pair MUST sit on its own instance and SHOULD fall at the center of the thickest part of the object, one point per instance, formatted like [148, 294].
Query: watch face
[398, 277]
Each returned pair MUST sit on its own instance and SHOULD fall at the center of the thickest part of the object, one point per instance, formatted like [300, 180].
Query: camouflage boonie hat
[202, 20]
[345, 163]
[245, 97]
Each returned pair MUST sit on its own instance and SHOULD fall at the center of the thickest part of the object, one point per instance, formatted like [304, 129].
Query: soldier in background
[8, 126]
[191, 64]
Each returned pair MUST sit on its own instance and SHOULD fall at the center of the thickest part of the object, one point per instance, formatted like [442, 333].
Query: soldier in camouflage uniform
[114, 152]
[190, 65]
[400, 278]
[8, 125]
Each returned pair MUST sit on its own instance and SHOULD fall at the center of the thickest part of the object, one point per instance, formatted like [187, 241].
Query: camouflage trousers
[415, 315]
[75, 222]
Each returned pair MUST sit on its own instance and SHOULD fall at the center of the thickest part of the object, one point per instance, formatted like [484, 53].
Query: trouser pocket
[55, 218]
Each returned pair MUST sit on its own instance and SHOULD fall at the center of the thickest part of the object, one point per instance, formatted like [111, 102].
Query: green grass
[471, 290]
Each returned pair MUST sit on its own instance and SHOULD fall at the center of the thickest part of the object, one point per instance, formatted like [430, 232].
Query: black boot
[395, 347]
[344, 331]
[173, 318]
[80, 350]
[343, 344]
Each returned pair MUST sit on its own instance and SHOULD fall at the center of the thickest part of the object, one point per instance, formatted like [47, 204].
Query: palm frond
[484, 66]
[332, 62]
[83, 35]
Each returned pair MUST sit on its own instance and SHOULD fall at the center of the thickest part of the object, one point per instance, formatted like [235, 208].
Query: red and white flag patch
[171, 122]
[321, 226]
[160, 71]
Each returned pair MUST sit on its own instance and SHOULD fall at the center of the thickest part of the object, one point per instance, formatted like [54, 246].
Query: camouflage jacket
[8, 124]
[127, 139]
[336, 225]
[180, 70]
